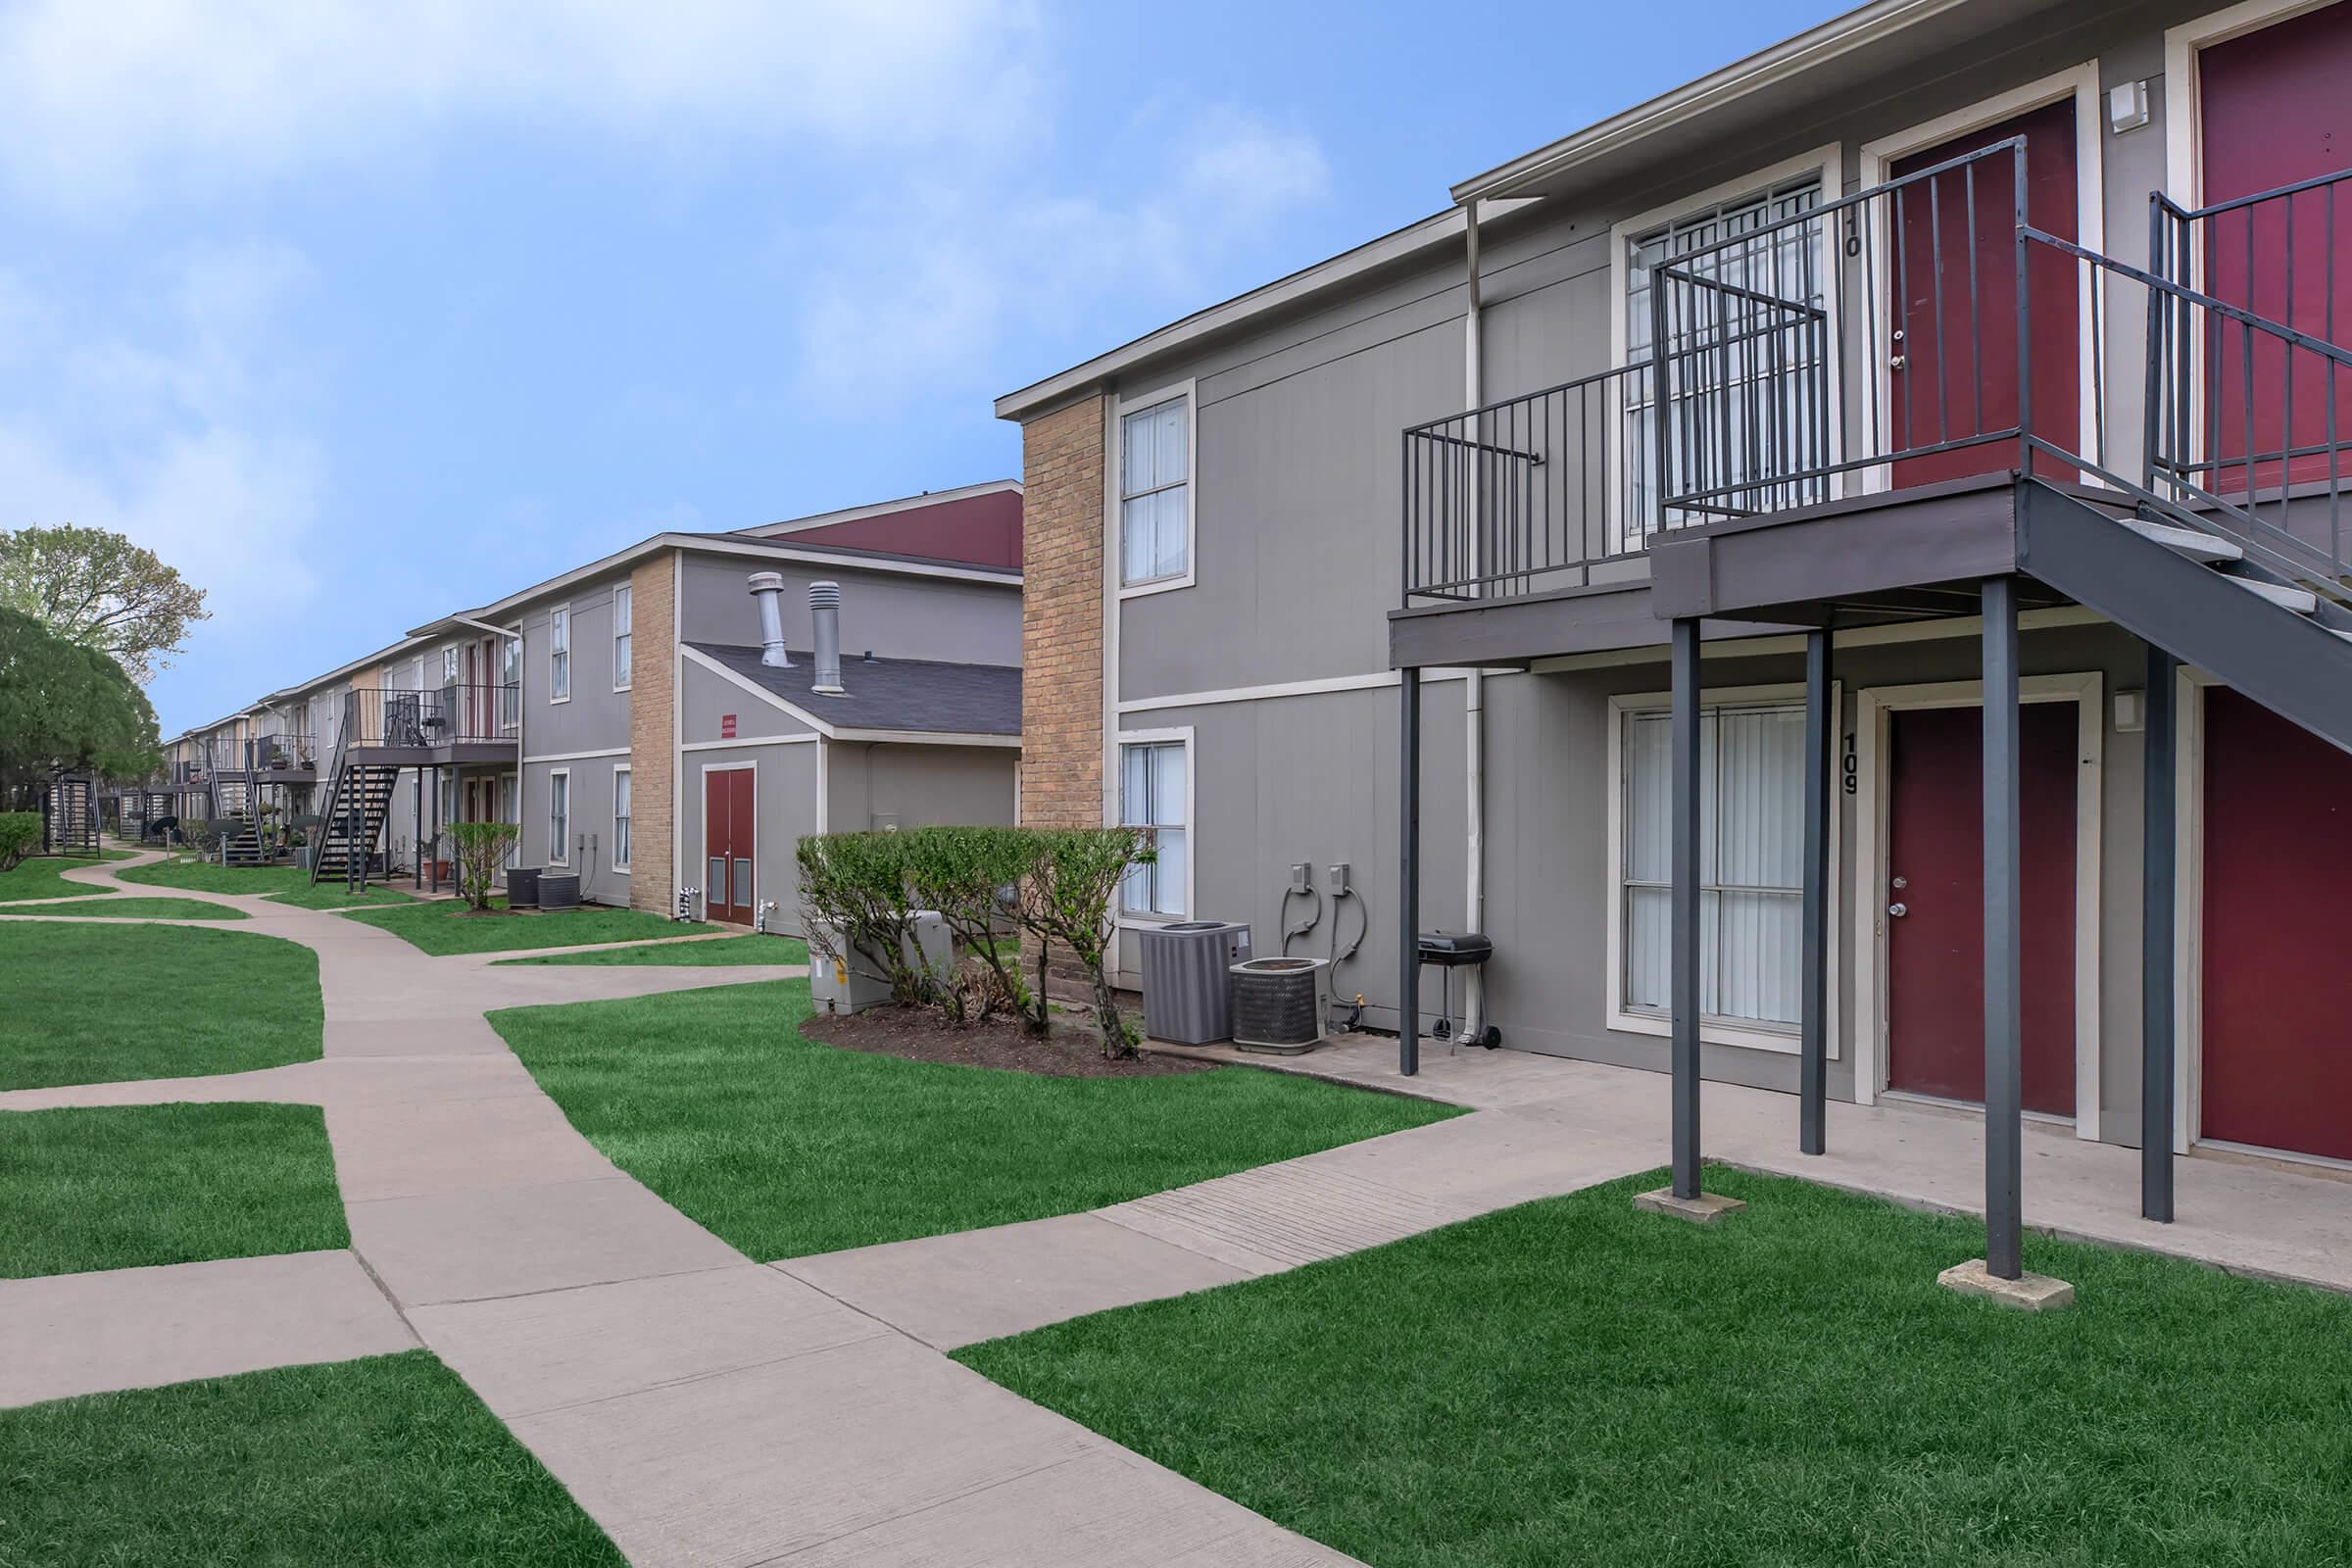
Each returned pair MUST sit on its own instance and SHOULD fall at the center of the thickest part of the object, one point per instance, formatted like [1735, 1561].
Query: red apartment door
[2277, 1041]
[1957, 371]
[1935, 866]
[2273, 108]
[728, 844]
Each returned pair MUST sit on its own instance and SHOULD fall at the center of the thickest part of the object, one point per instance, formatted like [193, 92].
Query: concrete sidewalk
[703, 1408]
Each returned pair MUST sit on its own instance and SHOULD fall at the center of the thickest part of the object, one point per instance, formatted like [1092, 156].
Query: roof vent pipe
[824, 612]
[768, 588]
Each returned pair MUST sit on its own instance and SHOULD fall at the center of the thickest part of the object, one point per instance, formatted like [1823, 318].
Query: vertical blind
[1152, 795]
[1750, 862]
[1154, 469]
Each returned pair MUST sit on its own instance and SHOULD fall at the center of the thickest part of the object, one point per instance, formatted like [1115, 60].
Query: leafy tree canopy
[98, 589]
[65, 705]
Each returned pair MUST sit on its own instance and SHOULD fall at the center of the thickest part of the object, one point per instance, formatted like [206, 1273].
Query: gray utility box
[854, 985]
[1188, 993]
[1278, 1004]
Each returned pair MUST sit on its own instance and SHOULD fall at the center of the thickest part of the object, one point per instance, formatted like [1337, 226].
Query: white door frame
[1874, 703]
[2080, 83]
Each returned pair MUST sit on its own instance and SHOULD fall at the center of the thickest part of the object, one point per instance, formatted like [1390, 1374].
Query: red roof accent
[981, 530]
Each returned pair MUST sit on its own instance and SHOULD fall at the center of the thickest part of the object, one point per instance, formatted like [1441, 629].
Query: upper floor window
[1155, 471]
[559, 654]
[1766, 397]
[621, 638]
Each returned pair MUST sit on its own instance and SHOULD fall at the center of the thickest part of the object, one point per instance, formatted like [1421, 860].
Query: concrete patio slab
[460, 1246]
[409, 1150]
[529, 1355]
[948, 1290]
[129, 1328]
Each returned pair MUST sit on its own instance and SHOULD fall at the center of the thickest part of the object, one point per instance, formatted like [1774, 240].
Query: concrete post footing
[1705, 1210]
[2028, 1293]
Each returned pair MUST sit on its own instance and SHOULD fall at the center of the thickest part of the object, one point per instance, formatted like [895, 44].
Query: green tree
[98, 589]
[63, 706]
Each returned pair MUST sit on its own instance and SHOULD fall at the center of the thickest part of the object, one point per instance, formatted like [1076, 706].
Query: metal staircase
[364, 789]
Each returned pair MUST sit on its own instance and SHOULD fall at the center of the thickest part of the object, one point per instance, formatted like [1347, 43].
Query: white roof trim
[1788, 58]
[882, 509]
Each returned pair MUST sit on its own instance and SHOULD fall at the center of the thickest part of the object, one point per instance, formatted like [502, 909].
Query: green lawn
[719, 951]
[126, 908]
[387, 1462]
[785, 1147]
[40, 878]
[1572, 1382]
[444, 927]
[94, 1004]
[127, 1186]
[281, 884]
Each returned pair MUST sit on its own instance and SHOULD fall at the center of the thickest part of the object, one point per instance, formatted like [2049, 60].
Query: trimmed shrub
[1067, 897]
[19, 836]
[855, 888]
[972, 877]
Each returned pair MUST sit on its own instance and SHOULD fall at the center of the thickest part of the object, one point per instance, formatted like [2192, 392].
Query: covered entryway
[1934, 901]
[2276, 1048]
[729, 842]
[1952, 350]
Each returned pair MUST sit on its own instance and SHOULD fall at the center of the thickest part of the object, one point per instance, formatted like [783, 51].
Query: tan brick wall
[653, 789]
[1062, 617]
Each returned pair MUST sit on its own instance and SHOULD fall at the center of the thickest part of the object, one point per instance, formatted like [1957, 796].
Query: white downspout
[1474, 688]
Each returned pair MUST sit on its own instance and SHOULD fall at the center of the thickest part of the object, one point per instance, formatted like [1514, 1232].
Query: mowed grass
[94, 1004]
[387, 1462]
[125, 906]
[717, 951]
[281, 884]
[1574, 1382]
[43, 877]
[446, 926]
[128, 1186]
[785, 1147]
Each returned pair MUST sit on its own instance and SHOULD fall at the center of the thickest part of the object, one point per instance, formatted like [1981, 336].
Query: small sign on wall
[726, 726]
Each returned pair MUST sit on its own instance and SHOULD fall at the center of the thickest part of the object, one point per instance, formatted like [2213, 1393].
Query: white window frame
[623, 838]
[1714, 1031]
[1139, 919]
[1115, 534]
[558, 646]
[625, 628]
[559, 845]
[1829, 162]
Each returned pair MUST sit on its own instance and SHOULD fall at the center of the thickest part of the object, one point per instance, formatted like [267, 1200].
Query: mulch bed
[1074, 1050]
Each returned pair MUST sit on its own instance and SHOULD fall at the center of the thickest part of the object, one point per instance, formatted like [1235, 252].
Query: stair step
[2299, 600]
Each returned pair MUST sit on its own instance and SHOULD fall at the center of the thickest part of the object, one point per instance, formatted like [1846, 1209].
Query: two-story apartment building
[1617, 563]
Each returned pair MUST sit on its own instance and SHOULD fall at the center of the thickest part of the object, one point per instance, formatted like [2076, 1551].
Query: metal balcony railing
[1924, 330]
[448, 715]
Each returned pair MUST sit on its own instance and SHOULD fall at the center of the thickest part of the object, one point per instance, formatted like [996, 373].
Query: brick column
[1062, 616]
[653, 792]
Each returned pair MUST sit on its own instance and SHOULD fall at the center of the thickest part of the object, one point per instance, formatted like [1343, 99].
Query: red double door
[730, 843]
[1935, 897]
[1953, 374]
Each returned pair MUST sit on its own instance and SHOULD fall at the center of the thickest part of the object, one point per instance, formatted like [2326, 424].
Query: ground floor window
[1154, 792]
[620, 820]
[1750, 862]
[558, 817]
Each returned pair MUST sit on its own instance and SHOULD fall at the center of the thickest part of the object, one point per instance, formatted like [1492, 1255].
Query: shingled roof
[905, 694]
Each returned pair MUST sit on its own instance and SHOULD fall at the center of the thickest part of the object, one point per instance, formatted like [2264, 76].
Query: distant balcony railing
[448, 715]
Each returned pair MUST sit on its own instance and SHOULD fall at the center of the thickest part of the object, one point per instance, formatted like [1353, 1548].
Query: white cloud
[109, 103]
[917, 290]
[166, 427]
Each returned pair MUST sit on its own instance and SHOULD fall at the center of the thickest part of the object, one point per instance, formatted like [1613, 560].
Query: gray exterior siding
[786, 795]
[706, 698]
[890, 785]
[956, 620]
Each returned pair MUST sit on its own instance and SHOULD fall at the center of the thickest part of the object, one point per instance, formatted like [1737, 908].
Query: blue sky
[358, 313]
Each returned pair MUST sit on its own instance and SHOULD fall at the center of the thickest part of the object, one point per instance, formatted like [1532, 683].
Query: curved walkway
[703, 1408]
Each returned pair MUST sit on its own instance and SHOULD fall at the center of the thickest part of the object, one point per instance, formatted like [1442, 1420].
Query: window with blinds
[1154, 493]
[1750, 862]
[1153, 794]
[1764, 379]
